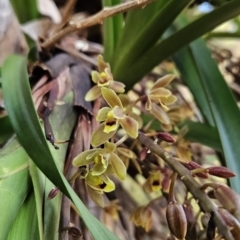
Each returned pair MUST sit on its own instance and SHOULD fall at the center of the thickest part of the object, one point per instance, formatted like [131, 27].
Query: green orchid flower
[103, 78]
[159, 97]
[104, 160]
[112, 117]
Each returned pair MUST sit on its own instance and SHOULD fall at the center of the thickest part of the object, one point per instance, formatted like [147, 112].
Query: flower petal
[124, 99]
[118, 113]
[81, 159]
[111, 98]
[99, 168]
[110, 147]
[160, 114]
[117, 87]
[169, 100]
[126, 152]
[164, 81]
[110, 185]
[118, 166]
[96, 196]
[93, 93]
[102, 114]
[130, 126]
[96, 77]
[148, 105]
[111, 124]
[100, 183]
[102, 65]
[137, 118]
[99, 136]
[159, 92]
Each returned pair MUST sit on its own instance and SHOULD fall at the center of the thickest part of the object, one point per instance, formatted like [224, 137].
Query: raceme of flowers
[99, 162]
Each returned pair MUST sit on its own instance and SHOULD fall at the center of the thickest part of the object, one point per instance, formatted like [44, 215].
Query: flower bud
[176, 219]
[221, 171]
[53, 193]
[228, 198]
[188, 209]
[193, 165]
[211, 228]
[143, 153]
[204, 220]
[142, 216]
[166, 137]
[75, 232]
[231, 222]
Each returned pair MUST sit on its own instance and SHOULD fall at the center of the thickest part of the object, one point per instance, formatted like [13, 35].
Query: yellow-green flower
[159, 97]
[112, 117]
[103, 78]
[100, 183]
[153, 182]
[105, 160]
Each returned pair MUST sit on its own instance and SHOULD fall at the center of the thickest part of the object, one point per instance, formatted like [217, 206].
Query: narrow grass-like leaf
[6, 129]
[38, 181]
[175, 42]
[25, 122]
[112, 28]
[224, 107]
[13, 192]
[204, 134]
[148, 35]
[24, 13]
[13, 162]
[25, 226]
[186, 64]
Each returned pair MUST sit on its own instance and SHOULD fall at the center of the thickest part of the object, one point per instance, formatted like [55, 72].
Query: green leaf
[185, 62]
[17, 97]
[112, 28]
[13, 191]
[12, 163]
[158, 16]
[224, 107]
[25, 14]
[204, 134]
[6, 129]
[25, 225]
[38, 181]
[169, 46]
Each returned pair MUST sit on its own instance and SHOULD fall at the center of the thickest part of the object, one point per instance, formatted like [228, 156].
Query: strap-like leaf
[224, 107]
[169, 46]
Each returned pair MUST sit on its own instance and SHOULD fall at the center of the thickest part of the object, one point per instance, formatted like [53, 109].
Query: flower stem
[193, 186]
[121, 140]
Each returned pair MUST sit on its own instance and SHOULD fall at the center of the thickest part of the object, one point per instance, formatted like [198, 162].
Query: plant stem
[192, 185]
[121, 140]
[94, 20]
